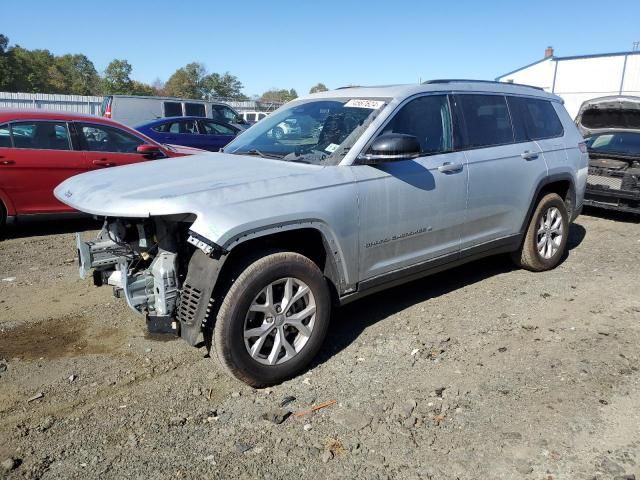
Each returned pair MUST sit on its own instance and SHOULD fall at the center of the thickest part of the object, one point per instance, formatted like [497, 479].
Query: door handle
[6, 162]
[529, 155]
[103, 162]
[449, 167]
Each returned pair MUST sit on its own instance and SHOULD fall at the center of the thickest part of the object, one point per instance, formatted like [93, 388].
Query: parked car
[253, 117]
[40, 149]
[288, 128]
[254, 244]
[198, 132]
[136, 110]
[611, 126]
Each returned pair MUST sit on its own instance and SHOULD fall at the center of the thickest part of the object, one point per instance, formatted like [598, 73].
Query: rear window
[194, 110]
[40, 135]
[610, 118]
[486, 120]
[5, 136]
[534, 119]
[172, 109]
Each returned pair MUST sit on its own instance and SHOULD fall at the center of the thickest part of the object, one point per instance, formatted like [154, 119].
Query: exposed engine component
[139, 258]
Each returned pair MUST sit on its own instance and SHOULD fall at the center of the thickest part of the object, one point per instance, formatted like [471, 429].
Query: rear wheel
[273, 319]
[546, 237]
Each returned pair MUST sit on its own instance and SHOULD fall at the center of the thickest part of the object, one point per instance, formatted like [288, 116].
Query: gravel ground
[482, 372]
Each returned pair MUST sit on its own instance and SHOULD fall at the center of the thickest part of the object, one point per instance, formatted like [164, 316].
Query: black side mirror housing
[391, 147]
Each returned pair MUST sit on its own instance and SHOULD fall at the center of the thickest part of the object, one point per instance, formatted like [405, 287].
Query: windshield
[622, 143]
[314, 131]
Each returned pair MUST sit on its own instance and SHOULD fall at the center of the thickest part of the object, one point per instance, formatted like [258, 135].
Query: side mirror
[391, 147]
[149, 150]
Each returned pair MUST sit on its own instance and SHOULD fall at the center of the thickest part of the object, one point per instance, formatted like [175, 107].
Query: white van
[253, 117]
[134, 110]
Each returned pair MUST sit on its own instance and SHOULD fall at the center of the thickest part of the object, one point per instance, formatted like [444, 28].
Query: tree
[320, 87]
[187, 82]
[140, 88]
[74, 74]
[117, 77]
[4, 67]
[279, 95]
[28, 69]
[225, 85]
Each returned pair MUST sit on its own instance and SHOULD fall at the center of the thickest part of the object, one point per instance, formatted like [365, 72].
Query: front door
[106, 146]
[412, 211]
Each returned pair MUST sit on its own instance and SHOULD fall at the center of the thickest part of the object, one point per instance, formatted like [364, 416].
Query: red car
[39, 149]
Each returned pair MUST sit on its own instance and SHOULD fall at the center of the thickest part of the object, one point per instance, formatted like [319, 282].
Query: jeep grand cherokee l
[248, 249]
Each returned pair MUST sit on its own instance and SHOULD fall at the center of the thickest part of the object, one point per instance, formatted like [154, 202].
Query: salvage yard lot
[481, 372]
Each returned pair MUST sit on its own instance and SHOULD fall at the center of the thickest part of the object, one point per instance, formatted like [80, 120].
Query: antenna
[636, 46]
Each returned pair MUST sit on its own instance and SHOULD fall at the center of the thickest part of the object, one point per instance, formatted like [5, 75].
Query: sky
[296, 44]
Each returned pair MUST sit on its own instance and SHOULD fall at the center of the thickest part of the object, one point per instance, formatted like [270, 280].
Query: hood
[606, 114]
[194, 184]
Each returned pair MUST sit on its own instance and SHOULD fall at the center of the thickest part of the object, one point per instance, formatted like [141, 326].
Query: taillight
[583, 147]
[107, 111]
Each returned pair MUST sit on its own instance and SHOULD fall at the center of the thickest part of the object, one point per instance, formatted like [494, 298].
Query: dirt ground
[483, 372]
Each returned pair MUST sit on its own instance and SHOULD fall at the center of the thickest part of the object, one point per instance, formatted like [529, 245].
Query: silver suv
[247, 250]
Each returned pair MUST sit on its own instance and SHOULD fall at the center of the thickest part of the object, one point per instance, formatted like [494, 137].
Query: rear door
[504, 169]
[39, 158]
[216, 134]
[107, 146]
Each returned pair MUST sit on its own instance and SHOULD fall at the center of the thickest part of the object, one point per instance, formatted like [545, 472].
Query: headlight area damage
[162, 269]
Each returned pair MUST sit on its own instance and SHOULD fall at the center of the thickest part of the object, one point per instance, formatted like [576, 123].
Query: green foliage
[320, 87]
[39, 71]
[282, 95]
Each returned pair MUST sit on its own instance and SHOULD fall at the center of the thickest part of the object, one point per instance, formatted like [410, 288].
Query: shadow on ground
[626, 217]
[39, 227]
[350, 321]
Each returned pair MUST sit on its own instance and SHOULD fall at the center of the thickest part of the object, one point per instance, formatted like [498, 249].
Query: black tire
[278, 133]
[229, 341]
[528, 256]
[3, 218]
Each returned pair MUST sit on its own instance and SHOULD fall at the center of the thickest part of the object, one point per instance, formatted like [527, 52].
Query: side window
[41, 135]
[172, 109]
[181, 126]
[213, 128]
[427, 118]
[194, 110]
[250, 117]
[539, 117]
[5, 136]
[223, 114]
[485, 120]
[103, 138]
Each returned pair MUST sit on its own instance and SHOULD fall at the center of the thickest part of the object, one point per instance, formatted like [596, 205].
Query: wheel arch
[563, 184]
[310, 238]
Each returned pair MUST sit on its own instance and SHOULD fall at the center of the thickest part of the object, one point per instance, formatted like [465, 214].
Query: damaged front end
[613, 183]
[164, 271]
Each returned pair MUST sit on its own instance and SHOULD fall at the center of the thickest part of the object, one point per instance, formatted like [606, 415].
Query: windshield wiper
[255, 151]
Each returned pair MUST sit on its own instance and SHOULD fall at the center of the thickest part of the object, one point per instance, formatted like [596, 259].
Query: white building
[582, 77]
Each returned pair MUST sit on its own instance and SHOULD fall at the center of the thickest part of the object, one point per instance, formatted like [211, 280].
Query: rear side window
[40, 135]
[194, 110]
[534, 119]
[5, 136]
[172, 109]
[485, 120]
[181, 126]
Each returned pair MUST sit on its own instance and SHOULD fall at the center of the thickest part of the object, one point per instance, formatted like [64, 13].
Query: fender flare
[7, 203]
[558, 177]
[335, 268]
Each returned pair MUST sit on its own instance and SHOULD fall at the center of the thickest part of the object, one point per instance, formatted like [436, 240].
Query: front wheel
[546, 237]
[273, 319]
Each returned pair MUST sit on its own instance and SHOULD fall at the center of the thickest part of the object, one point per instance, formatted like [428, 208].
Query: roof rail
[463, 80]
[348, 86]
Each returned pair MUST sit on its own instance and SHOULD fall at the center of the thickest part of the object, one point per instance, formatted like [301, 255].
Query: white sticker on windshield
[362, 103]
[332, 147]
